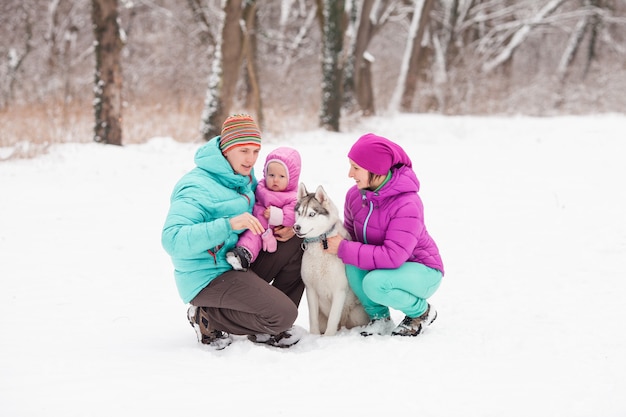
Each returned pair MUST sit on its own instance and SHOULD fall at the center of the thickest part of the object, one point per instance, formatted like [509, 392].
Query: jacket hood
[209, 157]
[290, 159]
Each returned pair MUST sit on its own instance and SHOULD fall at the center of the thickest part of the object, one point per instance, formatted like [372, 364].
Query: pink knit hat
[239, 130]
[378, 154]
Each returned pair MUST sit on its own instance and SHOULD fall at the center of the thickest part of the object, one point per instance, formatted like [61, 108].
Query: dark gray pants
[242, 302]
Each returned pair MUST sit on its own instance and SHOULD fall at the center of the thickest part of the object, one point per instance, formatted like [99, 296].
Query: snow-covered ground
[529, 215]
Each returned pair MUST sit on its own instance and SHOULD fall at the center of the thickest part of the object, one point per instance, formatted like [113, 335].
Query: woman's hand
[333, 244]
[247, 221]
[283, 233]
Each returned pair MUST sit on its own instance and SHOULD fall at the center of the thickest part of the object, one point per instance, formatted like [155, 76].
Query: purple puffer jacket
[387, 226]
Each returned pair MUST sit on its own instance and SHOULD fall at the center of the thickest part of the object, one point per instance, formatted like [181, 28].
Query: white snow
[529, 217]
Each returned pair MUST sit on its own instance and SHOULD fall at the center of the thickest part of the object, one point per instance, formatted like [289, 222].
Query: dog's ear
[320, 195]
[302, 192]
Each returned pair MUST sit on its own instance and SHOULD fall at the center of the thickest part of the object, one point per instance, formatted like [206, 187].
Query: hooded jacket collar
[403, 180]
[209, 158]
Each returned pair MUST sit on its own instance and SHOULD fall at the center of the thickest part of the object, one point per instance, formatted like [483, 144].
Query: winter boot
[382, 326]
[286, 339]
[414, 326]
[199, 320]
[239, 258]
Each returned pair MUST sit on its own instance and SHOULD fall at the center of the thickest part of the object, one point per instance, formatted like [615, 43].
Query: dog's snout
[296, 227]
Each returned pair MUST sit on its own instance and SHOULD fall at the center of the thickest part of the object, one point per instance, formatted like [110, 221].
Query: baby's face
[276, 177]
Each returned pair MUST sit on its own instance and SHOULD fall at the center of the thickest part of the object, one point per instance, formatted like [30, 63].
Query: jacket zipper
[367, 219]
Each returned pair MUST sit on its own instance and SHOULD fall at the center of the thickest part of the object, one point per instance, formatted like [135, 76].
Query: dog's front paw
[330, 332]
[314, 329]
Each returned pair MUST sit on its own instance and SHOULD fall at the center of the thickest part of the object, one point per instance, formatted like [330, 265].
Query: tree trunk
[349, 70]
[413, 71]
[197, 11]
[225, 71]
[367, 17]
[16, 59]
[253, 95]
[571, 49]
[409, 52]
[332, 45]
[362, 64]
[108, 77]
[596, 22]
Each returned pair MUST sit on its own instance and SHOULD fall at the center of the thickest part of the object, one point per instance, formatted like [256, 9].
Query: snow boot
[214, 338]
[382, 326]
[239, 258]
[414, 326]
[286, 339]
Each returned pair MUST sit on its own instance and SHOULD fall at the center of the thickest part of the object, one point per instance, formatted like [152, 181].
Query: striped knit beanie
[239, 130]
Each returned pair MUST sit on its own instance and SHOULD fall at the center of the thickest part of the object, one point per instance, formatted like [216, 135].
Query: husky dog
[332, 304]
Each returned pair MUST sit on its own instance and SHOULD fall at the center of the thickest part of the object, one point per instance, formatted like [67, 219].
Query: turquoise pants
[405, 289]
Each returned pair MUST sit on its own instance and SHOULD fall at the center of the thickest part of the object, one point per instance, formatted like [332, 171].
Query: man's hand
[247, 221]
[283, 233]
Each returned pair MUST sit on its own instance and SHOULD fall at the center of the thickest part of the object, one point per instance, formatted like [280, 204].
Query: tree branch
[521, 35]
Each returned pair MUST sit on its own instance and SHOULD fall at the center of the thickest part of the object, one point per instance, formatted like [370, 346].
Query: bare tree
[588, 23]
[331, 20]
[200, 15]
[366, 19]
[108, 74]
[224, 71]
[520, 34]
[15, 54]
[292, 48]
[421, 17]
[548, 57]
[235, 42]
[409, 69]
[253, 84]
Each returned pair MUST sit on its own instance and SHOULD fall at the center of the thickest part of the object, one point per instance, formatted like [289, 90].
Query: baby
[276, 199]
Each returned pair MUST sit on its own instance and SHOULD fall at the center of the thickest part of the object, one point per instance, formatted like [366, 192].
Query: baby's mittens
[269, 240]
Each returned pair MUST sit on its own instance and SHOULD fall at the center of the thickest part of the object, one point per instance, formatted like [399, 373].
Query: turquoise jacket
[197, 232]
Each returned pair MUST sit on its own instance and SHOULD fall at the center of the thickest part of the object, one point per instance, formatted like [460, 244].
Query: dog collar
[321, 238]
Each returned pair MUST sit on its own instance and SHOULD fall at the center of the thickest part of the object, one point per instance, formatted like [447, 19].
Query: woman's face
[243, 158]
[360, 175]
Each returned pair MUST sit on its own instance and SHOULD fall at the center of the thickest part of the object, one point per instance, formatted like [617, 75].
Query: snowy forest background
[528, 211]
[461, 57]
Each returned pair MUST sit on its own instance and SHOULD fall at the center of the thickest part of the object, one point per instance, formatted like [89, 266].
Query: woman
[391, 261]
[210, 207]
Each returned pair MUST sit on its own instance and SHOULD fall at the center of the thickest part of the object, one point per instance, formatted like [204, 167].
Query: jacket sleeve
[186, 232]
[289, 214]
[257, 211]
[402, 230]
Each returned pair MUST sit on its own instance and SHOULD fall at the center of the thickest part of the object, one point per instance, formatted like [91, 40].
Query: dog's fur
[332, 304]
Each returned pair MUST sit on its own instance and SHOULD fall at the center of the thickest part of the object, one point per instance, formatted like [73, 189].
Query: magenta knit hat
[239, 130]
[378, 154]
